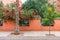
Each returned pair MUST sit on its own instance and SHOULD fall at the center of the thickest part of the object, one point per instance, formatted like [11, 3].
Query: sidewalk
[31, 33]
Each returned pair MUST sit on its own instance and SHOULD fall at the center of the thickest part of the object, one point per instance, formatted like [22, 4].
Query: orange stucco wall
[34, 26]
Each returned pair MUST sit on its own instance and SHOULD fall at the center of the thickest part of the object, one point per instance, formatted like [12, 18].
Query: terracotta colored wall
[34, 26]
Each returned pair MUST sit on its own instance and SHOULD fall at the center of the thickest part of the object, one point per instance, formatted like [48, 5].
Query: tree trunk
[17, 22]
[49, 31]
[17, 18]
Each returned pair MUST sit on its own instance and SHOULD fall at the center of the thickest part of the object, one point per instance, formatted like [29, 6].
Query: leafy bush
[39, 6]
[8, 12]
[46, 22]
[1, 23]
[24, 14]
[57, 14]
[24, 22]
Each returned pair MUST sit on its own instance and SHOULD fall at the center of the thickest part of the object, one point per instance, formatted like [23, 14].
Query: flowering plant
[7, 13]
[27, 15]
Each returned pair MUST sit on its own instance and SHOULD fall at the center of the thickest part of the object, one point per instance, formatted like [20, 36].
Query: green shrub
[49, 16]
[57, 14]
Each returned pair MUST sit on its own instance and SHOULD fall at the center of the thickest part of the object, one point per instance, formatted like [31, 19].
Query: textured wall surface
[34, 26]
